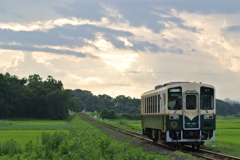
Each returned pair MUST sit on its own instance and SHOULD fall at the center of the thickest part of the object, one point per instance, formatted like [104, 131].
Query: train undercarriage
[177, 138]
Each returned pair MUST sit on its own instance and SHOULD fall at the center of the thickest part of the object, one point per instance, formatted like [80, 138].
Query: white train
[180, 113]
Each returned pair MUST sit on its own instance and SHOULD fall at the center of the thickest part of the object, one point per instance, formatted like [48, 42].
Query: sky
[123, 47]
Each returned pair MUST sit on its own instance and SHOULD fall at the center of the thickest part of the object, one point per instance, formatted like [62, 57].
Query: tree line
[121, 104]
[33, 97]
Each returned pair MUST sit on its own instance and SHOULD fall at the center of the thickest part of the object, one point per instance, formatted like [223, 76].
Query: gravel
[139, 143]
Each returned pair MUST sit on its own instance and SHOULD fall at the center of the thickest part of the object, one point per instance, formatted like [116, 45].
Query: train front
[191, 115]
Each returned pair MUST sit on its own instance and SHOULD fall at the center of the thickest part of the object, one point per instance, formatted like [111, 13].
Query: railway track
[201, 153]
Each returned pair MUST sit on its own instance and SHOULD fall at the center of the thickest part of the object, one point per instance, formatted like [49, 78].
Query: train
[179, 113]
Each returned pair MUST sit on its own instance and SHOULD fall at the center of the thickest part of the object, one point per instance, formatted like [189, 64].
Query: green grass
[106, 147]
[228, 130]
[25, 130]
[42, 122]
[24, 136]
[35, 125]
[134, 125]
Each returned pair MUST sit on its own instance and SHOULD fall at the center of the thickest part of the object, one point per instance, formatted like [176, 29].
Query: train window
[164, 100]
[148, 105]
[155, 104]
[175, 98]
[145, 105]
[207, 98]
[159, 100]
[191, 102]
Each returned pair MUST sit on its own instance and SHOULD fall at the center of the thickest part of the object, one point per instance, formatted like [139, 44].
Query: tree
[105, 113]
[33, 97]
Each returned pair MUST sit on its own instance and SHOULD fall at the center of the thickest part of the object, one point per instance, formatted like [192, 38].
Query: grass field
[85, 141]
[24, 136]
[26, 130]
[228, 130]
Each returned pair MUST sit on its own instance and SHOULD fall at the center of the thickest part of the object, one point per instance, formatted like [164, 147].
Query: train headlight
[173, 117]
[208, 116]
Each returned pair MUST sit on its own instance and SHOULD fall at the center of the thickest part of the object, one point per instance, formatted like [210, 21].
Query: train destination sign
[175, 90]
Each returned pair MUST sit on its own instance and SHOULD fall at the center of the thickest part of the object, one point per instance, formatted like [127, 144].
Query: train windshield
[207, 98]
[191, 102]
[175, 98]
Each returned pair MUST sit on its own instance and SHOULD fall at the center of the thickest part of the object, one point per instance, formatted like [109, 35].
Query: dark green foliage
[33, 97]
[120, 104]
[86, 100]
[108, 114]
[225, 109]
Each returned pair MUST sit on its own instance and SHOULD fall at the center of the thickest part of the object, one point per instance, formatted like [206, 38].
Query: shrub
[108, 114]
[10, 147]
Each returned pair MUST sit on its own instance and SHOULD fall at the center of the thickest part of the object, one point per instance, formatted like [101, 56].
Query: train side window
[159, 102]
[155, 104]
[164, 100]
[151, 104]
[145, 104]
[149, 109]
[148, 105]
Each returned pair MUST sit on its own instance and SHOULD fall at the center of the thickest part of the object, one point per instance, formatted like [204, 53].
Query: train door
[191, 110]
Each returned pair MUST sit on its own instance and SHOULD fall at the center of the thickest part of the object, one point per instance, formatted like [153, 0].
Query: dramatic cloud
[123, 47]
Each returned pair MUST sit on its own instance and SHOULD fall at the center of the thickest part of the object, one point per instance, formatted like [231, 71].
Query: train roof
[172, 84]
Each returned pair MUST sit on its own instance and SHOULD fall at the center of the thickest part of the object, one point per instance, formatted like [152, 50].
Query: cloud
[203, 6]
[24, 64]
[69, 36]
[232, 29]
[31, 48]
[26, 11]
[85, 9]
[123, 47]
[192, 29]
[137, 13]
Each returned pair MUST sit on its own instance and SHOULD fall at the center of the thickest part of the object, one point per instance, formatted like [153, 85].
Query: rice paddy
[26, 130]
